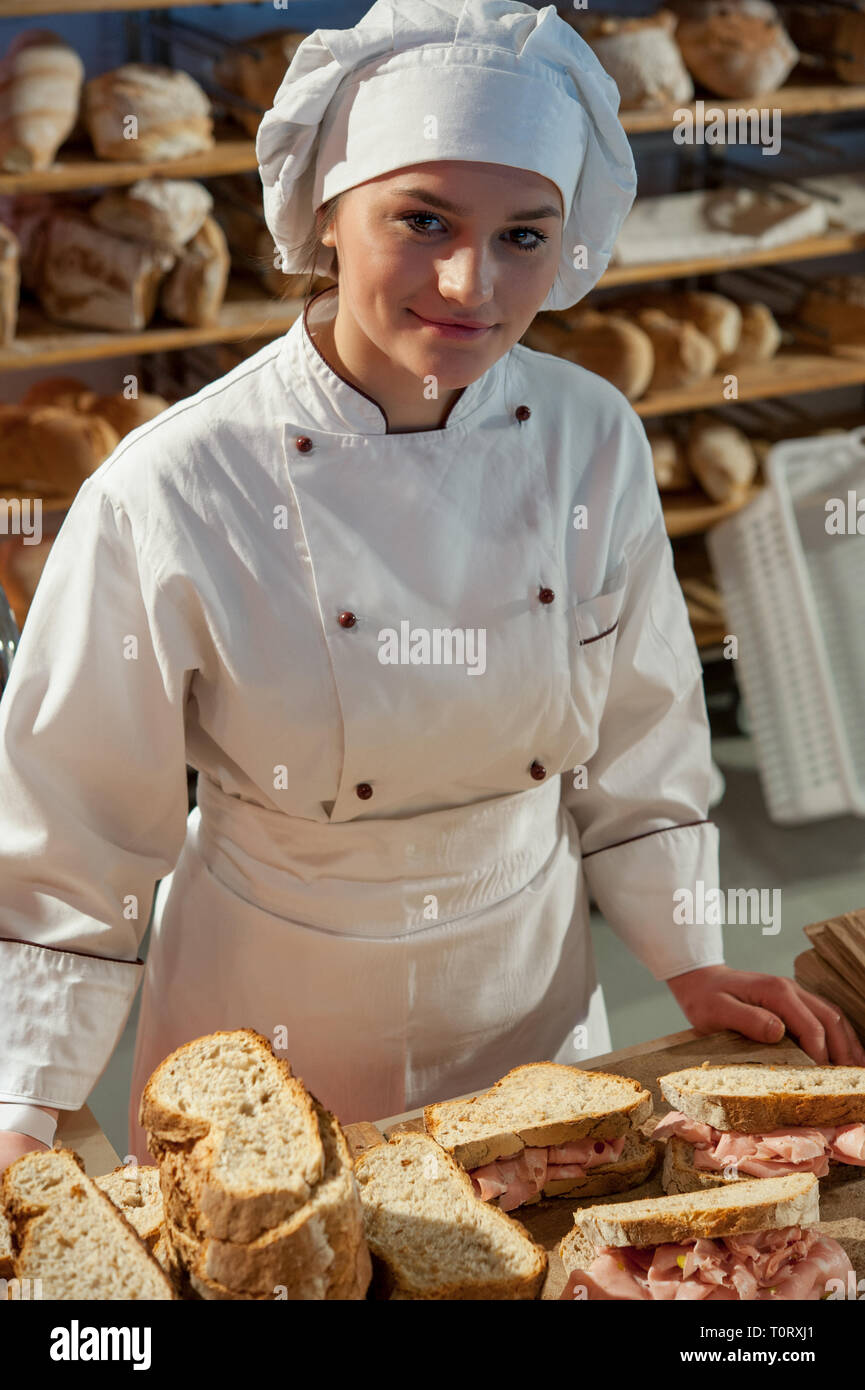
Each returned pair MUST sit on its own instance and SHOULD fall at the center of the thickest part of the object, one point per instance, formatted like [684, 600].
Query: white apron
[384, 1007]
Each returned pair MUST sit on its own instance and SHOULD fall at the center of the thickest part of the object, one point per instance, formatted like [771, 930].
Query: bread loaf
[848, 44]
[40, 88]
[54, 390]
[10, 284]
[94, 278]
[256, 75]
[715, 315]
[165, 213]
[837, 305]
[669, 460]
[48, 451]
[120, 412]
[611, 346]
[736, 49]
[759, 338]
[142, 111]
[194, 290]
[683, 355]
[641, 56]
[721, 457]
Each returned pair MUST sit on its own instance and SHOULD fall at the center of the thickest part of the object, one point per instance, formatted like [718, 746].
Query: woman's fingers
[759, 1024]
[819, 1027]
[844, 1047]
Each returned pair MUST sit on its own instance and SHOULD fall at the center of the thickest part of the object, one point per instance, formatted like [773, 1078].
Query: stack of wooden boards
[835, 967]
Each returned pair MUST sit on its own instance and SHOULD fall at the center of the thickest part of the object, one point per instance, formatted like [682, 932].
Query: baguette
[431, 1235]
[542, 1103]
[67, 1233]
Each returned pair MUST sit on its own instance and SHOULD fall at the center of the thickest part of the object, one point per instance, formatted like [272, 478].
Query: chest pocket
[594, 624]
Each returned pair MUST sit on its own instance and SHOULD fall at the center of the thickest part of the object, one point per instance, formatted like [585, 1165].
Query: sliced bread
[752, 1098]
[135, 1190]
[433, 1237]
[318, 1253]
[247, 1128]
[539, 1104]
[760, 1204]
[679, 1174]
[67, 1233]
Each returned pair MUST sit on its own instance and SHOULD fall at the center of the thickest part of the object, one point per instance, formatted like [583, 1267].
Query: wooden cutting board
[842, 1208]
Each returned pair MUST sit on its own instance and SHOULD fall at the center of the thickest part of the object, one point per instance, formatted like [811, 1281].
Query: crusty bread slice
[6, 1271]
[535, 1105]
[434, 1238]
[319, 1253]
[247, 1128]
[761, 1204]
[752, 1098]
[135, 1190]
[679, 1174]
[67, 1233]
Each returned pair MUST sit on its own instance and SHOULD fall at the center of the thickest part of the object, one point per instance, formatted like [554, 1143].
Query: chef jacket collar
[332, 404]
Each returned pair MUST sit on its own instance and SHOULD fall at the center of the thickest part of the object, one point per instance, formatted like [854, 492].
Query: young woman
[400, 590]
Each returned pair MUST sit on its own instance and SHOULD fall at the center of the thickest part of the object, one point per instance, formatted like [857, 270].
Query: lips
[452, 323]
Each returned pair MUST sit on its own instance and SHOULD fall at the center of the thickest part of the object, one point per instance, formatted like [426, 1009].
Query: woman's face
[450, 240]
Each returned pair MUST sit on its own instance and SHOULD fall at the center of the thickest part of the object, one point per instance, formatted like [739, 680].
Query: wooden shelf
[789, 373]
[800, 98]
[42, 343]
[232, 153]
[810, 248]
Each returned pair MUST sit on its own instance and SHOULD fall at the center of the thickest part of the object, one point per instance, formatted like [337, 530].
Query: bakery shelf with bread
[78, 166]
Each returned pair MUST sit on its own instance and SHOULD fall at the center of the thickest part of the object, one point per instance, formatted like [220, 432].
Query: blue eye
[412, 218]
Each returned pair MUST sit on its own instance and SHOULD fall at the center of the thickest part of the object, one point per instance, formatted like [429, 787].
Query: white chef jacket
[387, 872]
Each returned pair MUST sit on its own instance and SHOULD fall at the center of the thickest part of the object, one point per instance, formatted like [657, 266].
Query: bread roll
[27, 216]
[759, 339]
[716, 316]
[49, 451]
[670, 460]
[165, 213]
[143, 111]
[40, 88]
[54, 390]
[612, 347]
[737, 50]
[256, 76]
[91, 277]
[683, 355]
[641, 56]
[194, 291]
[721, 457]
[121, 413]
[10, 285]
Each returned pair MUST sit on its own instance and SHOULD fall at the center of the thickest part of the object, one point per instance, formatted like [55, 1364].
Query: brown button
[347, 619]
[538, 771]
[364, 791]
[546, 595]
[303, 445]
[522, 412]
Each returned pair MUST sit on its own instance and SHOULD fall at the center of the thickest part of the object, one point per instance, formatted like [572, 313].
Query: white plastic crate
[794, 596]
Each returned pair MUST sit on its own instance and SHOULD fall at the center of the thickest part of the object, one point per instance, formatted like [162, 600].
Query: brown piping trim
[584, 642]
[662, 831]
[90, 955]
[327, 290]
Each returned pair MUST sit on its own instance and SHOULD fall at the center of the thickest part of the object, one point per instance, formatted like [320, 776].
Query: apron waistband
[389, 877]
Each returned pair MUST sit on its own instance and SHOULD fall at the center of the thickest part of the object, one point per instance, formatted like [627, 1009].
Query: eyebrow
[545, 210]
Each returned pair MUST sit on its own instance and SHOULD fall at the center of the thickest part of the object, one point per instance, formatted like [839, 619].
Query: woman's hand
[762, 1007]
[13, 1145]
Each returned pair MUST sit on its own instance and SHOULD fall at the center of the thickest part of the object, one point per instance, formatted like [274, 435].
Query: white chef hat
[420, 80]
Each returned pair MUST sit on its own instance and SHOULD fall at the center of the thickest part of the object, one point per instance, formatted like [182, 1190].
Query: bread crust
[754, 1099]
[444, 1119]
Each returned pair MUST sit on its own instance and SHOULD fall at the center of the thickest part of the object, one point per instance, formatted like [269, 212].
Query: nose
[466, 276]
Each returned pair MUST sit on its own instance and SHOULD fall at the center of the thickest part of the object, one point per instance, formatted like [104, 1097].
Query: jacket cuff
[61, 1016]
[643, 886]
